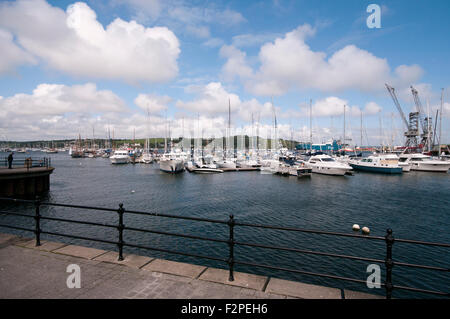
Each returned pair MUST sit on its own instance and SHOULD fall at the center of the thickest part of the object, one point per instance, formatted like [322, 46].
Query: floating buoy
[356, 227]
[365, 230]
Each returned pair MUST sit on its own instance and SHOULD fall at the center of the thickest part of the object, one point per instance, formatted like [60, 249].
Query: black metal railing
[230, 260]
[26, 162]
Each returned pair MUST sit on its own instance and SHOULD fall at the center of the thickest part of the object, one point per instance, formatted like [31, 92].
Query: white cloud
[236, 64]
[58, 99]
[288, 62]
[11, 55]
[334, 106]
[250, 40]
[213, 43]
[76, 43]
[152, 103]
[212, 99]
[183, 16]
[372, 108]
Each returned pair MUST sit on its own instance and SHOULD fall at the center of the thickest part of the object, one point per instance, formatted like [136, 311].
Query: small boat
[383, 163]
[324, 164]
[206, 170]
[203, 165]
[303, 170]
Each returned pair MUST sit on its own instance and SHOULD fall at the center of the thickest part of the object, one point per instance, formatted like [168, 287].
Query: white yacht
[226, 163]
[146, 158]
[172, 162]
[324, 164]
[248, 163]
[421, 162]
[120, 157]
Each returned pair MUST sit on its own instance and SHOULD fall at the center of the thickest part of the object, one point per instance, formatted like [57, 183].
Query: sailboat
[227, 161]
[147, 157]
[171, 162]
[77, 151]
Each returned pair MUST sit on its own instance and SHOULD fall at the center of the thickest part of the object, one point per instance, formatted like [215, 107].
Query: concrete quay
[31, 272]
[22, 181]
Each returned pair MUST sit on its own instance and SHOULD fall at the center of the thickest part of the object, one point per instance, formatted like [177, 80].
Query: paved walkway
[27, 271]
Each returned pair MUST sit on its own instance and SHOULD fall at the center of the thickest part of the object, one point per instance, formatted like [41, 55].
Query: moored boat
[425, 163]
[383, 163]
[171, 163]
[324, 164]
[120, 157]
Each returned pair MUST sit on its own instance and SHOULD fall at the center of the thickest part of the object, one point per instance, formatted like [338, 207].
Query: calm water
[415, 205]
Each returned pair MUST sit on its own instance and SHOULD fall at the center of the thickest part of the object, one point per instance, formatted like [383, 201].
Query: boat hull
[116, 160]
[335, 171]
[377, 169]
[226, 164]
[440, 168]
[304, 172]
[206, 170]
[405, 168]
[171, 166]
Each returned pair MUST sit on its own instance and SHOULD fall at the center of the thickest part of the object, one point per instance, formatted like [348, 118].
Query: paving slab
[79, 251]
[174, 268]
[6, 237]
[45, 245]
[240, 279]
[301, 290]
[350, 294]
[130, 260]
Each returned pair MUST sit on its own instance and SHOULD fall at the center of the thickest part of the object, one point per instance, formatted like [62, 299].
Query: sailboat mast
[343, 138]
[360, 145]
[182, 134]
[229, 125]
[310, 125]
[440, 123]
[428, 127]
[252, 135]
[165, 136]
[275, 126]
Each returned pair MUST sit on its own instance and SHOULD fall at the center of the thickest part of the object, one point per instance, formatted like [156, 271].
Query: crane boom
[425, 121]
[391, 91]
[412, 127]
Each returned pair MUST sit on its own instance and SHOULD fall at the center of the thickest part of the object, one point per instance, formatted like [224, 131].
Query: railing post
[389, 263]
[231, 245]
[37, 218]
[120, 227]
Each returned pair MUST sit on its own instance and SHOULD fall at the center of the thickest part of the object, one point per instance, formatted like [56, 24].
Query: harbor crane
[412, 127]
[425, 122]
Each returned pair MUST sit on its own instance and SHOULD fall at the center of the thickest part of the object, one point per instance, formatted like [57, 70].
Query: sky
[153, 67]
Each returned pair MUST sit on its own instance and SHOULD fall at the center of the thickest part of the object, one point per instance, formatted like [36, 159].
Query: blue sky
[69, 67]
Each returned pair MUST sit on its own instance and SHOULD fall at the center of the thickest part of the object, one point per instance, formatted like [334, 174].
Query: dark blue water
[415, 205]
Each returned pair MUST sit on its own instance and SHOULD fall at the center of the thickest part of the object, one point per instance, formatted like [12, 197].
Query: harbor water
[414, 205]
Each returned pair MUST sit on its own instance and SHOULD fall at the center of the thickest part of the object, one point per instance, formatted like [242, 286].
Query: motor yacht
[421, 162]
[383, 163]
[324, 164]
[120, 157]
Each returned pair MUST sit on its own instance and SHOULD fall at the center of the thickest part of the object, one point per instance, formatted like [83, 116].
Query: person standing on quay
[10, 160]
